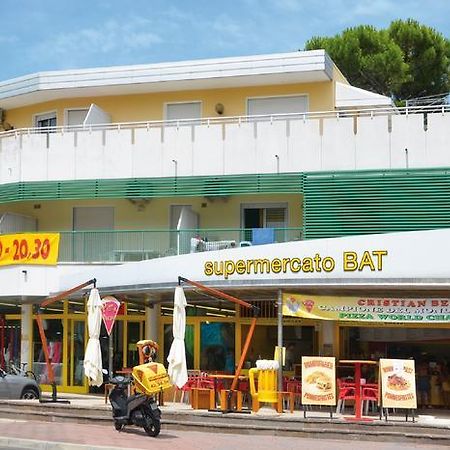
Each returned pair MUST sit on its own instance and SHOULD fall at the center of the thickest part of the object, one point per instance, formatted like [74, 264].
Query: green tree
[406, 60]
[427, 54]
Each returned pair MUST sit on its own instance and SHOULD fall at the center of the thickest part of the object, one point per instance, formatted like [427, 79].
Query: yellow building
[158, 161]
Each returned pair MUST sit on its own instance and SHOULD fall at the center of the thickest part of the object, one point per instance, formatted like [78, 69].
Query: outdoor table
[358, 406]
[216, 377]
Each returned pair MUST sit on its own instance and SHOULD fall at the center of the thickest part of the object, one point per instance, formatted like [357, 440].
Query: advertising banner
[29, 248]
[318, 380]
[398, 383]
[367, 309]
[109, 312]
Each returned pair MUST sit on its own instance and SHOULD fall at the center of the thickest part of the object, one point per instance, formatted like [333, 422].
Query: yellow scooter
[149, 379]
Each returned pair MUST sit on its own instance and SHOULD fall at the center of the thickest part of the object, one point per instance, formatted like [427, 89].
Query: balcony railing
[123, 246]
[331, 141]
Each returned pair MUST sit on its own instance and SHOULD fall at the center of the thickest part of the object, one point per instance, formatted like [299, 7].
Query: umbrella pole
[110, 354]
[48, 361]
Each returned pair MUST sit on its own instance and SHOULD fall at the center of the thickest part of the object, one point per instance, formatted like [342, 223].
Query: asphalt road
[91, 435]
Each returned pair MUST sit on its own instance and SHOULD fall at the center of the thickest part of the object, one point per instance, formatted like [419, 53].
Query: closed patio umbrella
[93, 356]
[177, 355]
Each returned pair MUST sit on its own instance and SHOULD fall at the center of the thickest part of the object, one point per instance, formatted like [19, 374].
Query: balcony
[328, 141]
[124, 246]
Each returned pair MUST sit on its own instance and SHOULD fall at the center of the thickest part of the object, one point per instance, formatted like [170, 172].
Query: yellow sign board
[318, 380]
[367, 309]
[29, 248]
[398, 383]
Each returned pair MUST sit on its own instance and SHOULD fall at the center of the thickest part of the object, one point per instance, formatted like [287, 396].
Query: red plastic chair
[192, 382]
[295, 386]
[345, 393]
[369, 396]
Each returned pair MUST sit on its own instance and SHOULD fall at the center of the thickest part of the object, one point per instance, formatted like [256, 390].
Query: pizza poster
[398, 383]
[318, 380]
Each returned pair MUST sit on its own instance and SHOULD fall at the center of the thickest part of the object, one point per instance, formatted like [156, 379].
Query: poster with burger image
[318, 380]
[398, 383]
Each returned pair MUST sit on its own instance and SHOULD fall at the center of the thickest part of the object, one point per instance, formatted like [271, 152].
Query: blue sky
[52, 35]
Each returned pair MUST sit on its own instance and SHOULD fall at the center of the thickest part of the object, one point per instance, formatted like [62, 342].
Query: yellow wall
[142, 107]
[57, 215]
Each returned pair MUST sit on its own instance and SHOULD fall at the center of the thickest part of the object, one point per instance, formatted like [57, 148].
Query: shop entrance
[428, 346]
[66, 330]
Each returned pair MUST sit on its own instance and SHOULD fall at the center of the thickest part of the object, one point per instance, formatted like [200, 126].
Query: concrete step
[282, 425]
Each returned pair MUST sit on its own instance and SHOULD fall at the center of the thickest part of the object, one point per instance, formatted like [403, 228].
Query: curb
[206, 422]
[19, 443]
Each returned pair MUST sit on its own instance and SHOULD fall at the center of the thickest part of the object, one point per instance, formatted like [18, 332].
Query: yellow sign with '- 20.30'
[29, 248]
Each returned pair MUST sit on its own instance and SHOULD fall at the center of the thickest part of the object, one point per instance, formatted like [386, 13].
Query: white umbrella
[93, 356]
[177, 355]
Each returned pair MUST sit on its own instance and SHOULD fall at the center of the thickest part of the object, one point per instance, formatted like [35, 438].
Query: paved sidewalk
[431, 427]
[438, 418]
[68, 436]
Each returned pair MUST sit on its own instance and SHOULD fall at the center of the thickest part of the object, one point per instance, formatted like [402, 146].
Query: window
[180, 111]
[45, 120]
[75, 117]
[277, 105]
[217, 345]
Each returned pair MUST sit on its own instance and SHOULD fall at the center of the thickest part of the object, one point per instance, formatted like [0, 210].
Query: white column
[152, 315]
[328, 337]
[26, 326]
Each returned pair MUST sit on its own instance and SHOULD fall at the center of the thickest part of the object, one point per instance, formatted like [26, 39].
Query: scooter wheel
[118, 426]
[152, 426]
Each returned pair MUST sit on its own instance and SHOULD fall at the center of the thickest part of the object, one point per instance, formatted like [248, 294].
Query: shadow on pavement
[139, 432]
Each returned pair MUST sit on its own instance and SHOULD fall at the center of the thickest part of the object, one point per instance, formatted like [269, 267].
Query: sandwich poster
[398, 383]
[318, 380]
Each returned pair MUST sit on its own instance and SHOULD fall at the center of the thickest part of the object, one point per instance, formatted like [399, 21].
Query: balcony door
[261, 220]
[89, 244]
[182, 217]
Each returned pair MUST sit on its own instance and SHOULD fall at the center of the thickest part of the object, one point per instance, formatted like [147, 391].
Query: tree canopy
[404, 61]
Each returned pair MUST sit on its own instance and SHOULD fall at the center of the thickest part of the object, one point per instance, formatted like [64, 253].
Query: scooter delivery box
[151, 378]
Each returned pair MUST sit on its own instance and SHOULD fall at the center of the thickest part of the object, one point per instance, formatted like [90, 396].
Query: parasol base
[358, 419]
[228, 411]
[55, 401]
[54, 398]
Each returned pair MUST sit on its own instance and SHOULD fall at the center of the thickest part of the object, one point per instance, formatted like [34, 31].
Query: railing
[365, 139]
[123, 246]
[118, 126]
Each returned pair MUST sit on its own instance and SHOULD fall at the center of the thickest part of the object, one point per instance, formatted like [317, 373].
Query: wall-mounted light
[278, 163]
[140, 203]
[219, 108]
[175, 162]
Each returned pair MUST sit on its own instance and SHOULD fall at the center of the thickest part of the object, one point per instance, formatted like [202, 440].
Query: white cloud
[111, 37]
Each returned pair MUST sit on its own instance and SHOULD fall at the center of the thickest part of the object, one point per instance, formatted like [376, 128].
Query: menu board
[318, 380]
[398, 383]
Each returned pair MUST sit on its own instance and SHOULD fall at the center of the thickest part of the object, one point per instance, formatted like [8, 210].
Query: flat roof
[279, 68]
